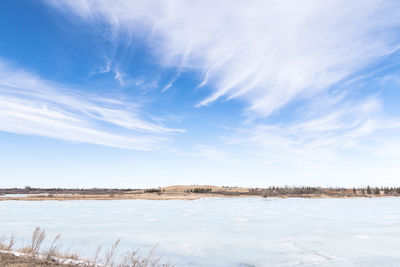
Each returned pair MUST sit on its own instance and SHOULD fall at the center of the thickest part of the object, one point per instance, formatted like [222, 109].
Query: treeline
[154, 190]
[273, 191]
[199, 190]
[320, 191]
[79, 191]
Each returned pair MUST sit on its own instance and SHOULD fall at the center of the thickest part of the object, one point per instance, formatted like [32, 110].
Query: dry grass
[54, 249]
[10, 260]
[38, 237]
[110, 254]
[147, 196]
[111, 258]
[6, 245]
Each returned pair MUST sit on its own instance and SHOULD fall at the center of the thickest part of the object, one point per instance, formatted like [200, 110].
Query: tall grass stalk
[53, 252]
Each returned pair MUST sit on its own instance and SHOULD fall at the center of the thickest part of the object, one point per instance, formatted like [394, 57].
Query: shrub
[200, 190]
[152, 190]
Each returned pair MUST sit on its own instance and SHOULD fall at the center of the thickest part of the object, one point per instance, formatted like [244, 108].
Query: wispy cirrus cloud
[267, 53]
[34, 106]
[332, 143]
[270, 54]
[324, 136]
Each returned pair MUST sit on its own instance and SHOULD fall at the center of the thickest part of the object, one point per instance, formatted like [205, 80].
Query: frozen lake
[223, 232]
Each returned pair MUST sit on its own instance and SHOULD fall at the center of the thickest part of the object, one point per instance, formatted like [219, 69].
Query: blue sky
[244, 93]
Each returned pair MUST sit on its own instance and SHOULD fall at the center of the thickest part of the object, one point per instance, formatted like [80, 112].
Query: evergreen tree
[369, 191]
[377, 191]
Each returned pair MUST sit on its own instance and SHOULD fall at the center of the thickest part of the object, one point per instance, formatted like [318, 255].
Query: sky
[137, 94]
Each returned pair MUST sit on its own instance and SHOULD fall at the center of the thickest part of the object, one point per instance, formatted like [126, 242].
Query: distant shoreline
[192, 192]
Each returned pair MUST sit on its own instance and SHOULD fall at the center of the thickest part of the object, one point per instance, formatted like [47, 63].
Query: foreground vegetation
[36, 254]
[10, 260]
[192, 192]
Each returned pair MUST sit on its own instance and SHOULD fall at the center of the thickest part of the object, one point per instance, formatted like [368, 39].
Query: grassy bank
[11, 260]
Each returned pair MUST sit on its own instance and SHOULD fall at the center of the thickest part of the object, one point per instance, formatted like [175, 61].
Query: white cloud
[118, 77]
[331, 133]
[265, 52]
[338, 144]
[31, 105]
[269, 53]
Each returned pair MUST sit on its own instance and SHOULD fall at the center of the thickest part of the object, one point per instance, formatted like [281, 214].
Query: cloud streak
[31, 105]
[332, 143]
[330, 135]
[267, 53]
[315, 55]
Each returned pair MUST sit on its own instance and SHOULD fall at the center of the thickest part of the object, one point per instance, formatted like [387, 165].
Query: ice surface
[223, 232]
